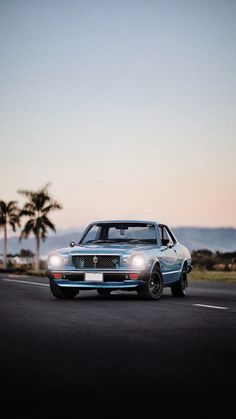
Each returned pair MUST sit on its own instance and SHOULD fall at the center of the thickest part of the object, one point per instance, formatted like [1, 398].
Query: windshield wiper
[101, 241]
[139, 241]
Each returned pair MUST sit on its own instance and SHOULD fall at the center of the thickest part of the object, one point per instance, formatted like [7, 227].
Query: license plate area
[93, 277]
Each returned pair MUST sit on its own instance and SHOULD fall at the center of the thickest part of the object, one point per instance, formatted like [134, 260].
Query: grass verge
[22, 271]
[222, 276]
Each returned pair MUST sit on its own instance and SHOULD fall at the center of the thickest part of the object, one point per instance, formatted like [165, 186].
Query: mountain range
[195, 238]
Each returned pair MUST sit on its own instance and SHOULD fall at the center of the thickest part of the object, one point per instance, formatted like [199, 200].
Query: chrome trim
[105, 285]
[171, 272]
[113, 271]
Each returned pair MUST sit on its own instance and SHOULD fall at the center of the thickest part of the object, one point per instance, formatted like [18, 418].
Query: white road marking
[208, 306]
[24, 282]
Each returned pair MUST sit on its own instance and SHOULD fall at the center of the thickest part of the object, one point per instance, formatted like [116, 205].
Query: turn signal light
[133, 276]
[57, 276]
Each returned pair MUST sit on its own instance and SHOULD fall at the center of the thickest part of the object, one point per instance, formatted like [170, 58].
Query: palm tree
[9, 215]
[37, 207]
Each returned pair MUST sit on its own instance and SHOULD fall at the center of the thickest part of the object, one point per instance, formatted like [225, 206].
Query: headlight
[138, 261]
[55, 260]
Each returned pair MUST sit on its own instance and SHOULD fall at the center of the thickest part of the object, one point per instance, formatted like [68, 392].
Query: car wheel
[179, 288]
[61, 293]
[104, 291]
[153, 289]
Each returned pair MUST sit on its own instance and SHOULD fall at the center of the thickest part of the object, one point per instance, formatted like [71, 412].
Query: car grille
[96, 262]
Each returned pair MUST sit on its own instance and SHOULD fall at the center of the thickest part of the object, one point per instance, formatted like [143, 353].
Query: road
[103, 351]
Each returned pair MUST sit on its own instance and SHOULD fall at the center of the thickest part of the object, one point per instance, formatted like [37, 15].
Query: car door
[170, 261]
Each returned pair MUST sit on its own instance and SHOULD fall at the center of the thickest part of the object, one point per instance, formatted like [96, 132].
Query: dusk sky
[128, 108]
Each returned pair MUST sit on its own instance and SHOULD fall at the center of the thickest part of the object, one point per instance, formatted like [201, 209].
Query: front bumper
[131, 284]
[111, 279]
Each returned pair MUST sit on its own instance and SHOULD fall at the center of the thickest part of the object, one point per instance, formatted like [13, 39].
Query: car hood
[100, 249]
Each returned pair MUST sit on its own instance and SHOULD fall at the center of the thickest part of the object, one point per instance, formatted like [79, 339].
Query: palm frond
[54, 205]
[26, 193]
[14, 219]
[13, 226]
[29, 206]
[45, 188]
[12, 206]
[28, 228]
[3, 207]
[26, 212]
[9, 214]
[43, 232]
[48, 223]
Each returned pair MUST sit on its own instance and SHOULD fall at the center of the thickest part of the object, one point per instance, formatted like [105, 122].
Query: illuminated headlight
[55, 261]
[138, 261]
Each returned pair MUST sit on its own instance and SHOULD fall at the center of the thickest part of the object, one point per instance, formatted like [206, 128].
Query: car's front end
[94, 267]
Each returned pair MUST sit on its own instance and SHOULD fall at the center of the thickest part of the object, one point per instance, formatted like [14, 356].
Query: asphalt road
[118, 351]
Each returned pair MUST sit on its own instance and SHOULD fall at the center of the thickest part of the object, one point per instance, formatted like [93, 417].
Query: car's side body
[119, 262]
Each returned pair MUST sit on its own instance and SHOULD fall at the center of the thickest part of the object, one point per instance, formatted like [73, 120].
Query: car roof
[125, 221]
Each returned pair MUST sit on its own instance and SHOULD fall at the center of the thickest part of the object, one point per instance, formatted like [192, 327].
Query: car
[128, 255]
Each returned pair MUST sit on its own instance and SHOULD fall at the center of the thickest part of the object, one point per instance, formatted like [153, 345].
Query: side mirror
[72, 244]
[165, 242]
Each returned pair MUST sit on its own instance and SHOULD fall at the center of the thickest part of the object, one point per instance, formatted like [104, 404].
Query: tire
[153, 289]
[61, 293]
[179, 288]
[103, 291]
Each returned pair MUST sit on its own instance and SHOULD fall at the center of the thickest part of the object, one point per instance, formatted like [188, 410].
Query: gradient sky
[127, 107]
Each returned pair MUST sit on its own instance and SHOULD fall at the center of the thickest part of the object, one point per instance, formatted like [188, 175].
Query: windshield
[120, 233]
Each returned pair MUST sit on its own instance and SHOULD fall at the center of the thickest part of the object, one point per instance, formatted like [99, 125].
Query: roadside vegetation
[207, 260]
[203, 275]
[213, 266]
[9, 216]
[35, 211]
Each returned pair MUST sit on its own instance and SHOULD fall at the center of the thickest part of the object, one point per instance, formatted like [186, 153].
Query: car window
[165, 235]
[93, 233]
[121, 232]
[132, 233]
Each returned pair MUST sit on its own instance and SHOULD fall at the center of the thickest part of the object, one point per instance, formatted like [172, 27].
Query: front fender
[155, 264]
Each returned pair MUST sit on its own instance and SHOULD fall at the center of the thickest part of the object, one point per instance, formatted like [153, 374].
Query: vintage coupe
[121, 255]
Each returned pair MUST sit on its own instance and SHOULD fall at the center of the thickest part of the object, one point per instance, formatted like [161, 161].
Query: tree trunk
[5, 247]
[37, 253]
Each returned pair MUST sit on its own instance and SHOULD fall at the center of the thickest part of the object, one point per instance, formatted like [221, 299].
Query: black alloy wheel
[153, 289]
[179, 288]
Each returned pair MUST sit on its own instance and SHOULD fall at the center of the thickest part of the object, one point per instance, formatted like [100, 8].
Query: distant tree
[37, 208]
[9, 215]
[25, 253]
[206, 259]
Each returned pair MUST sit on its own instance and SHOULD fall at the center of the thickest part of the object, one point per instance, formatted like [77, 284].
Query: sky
[127, 108]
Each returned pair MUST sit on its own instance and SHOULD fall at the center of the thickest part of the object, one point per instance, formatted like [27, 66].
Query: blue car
[144, 256]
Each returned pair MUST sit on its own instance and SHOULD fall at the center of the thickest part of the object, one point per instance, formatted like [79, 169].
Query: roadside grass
[222, 276]
[23, 271]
